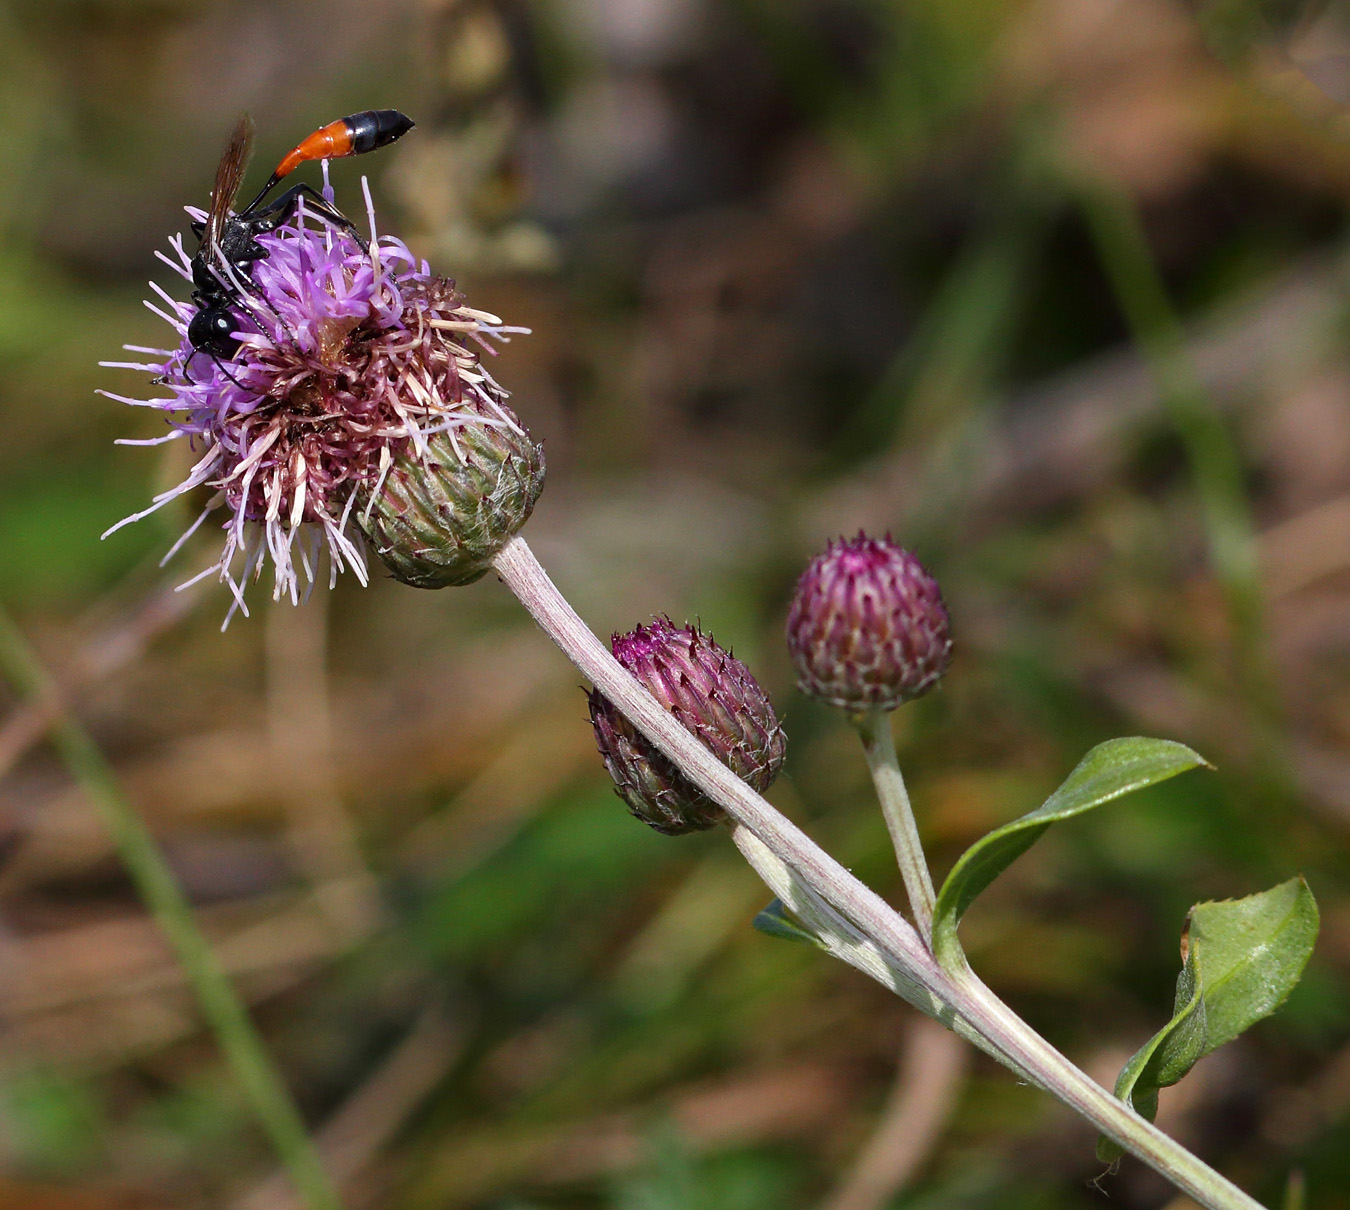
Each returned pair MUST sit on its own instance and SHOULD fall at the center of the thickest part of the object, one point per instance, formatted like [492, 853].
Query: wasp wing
[229, 176]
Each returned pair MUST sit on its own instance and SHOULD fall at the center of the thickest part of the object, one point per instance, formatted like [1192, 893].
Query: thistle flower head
[349, 364]
[714, 696]
[867, 628]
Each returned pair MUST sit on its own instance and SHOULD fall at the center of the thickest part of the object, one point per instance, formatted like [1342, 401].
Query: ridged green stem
[224, 1012]
[874, 728]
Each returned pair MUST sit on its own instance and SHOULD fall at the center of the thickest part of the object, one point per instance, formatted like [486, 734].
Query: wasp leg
[214, 358]
[220, 365]
[275, 213]
[254, 291]
[238, 287]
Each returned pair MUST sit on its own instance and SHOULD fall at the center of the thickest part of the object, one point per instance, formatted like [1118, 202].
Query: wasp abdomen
[374, 128]
[353, 135]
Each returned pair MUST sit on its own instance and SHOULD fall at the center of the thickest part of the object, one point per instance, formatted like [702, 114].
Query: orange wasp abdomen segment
[328, 143]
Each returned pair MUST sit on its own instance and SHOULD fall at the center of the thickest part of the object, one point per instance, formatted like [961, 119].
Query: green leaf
[1108, 771]
[1242, 957]
[1165, 1057]
[776, 921]
[1251, 952]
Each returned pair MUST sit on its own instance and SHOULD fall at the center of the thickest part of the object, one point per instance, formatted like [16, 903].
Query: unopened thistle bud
[714, 696]
[867, 628]
[442, 513]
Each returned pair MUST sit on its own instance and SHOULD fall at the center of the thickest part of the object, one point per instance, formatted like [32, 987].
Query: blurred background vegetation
[1057, 291]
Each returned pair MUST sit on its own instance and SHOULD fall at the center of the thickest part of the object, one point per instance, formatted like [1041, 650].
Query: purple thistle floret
[867, 628]
[713, 695]
[348, 361]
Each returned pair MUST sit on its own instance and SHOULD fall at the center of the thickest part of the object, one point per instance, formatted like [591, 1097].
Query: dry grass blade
[930, 1077]
[300, 726]
[372, 1115]
[797, 1102]
[115, 648]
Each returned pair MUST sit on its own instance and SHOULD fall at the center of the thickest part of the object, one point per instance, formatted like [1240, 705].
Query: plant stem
[960, 1000]
[874, 728]
[225, 1014]
[843, 940]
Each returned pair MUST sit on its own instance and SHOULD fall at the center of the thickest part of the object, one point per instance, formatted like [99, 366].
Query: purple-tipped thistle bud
[714, 696]
[867, 628]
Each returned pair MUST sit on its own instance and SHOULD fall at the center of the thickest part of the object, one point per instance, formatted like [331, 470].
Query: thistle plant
[358, 404]
[351, 364]
[868, 631]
